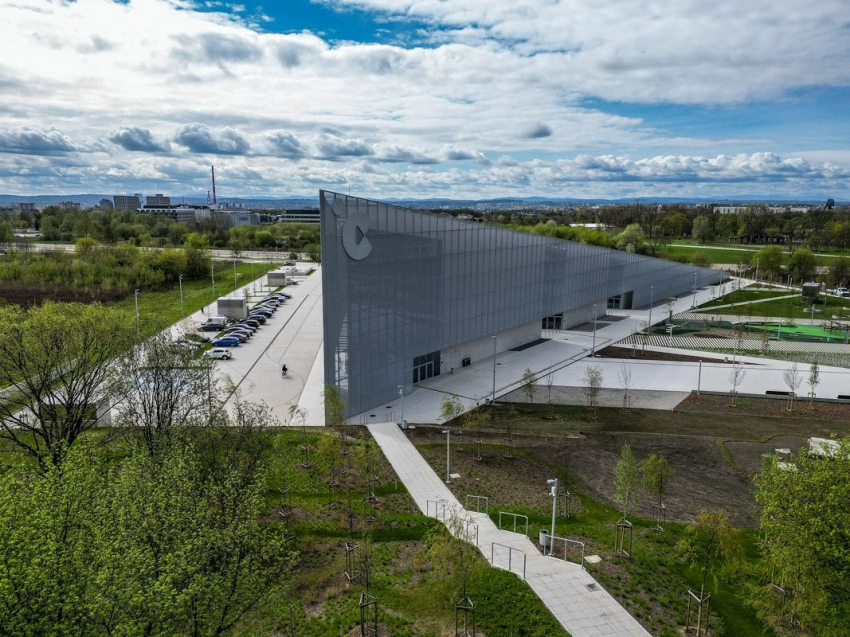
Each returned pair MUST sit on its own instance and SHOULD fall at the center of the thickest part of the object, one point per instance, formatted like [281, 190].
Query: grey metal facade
[400, 284]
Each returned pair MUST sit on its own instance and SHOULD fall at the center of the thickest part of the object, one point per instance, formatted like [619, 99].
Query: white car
[219, 352]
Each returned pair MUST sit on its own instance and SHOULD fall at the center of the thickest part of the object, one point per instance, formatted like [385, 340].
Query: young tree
[550, 382]
[805, 538]
[450, 408]
[813, 381]
[703, 229]
[793, 379]
[60, 361]
[631, 239]
[625, 480]
[334, 406]
[529, 384]
[656, 480]
[625, 377]
[736, 378]
[710, 543]
[771, 259]
[164, 387]
[839, 272]
[802, 265]
[593, 379]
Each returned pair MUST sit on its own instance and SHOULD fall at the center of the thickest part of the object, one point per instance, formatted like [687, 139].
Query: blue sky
[423, 98]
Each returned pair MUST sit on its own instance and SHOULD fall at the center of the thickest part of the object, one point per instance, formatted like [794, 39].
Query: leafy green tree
[770, 260]
[334, 406]
[839, 272]
[625, 480]
[631, 239]
[803, 264]
[58, 359]
[703, 229]
[450, 408]
[656, 477]
[805, 549]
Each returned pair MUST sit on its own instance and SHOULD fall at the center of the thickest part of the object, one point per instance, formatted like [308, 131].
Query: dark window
[426, 366]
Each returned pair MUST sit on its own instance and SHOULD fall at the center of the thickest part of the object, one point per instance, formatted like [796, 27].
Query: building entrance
[426, 366]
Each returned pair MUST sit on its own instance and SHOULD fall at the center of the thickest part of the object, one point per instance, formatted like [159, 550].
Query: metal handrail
[567, 541]
[478, 499]
[515, 516]
[472, 522]
[511, 550]
[437, 504]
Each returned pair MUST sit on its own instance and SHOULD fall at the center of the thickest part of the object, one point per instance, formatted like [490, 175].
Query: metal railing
[468, 538]
[511, 550]
[478, 499]
[439, 505]
[515, 516]
[567, 541]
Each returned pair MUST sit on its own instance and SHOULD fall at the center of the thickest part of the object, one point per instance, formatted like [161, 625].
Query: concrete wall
[276, 279]
[232, 308]
[482, 348]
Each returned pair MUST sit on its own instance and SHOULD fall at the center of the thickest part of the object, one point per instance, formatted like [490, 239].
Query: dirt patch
[33, 295]
[628, 353]
[777, 407]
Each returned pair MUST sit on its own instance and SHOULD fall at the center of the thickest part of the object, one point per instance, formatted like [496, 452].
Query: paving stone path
[576, 600]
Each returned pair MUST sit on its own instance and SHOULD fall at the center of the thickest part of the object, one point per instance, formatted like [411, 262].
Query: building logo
[354, 230]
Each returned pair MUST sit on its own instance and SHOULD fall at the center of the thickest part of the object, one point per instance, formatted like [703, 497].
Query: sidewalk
[576, 600]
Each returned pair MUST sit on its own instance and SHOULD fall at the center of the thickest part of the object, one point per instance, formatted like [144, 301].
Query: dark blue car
[226, 341]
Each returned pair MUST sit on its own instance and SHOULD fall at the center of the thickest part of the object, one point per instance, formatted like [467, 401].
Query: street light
[554, 493]
[493, 398]
[593, 347]
[448, 433]
[182, 310]
[757, 269]
[651, 299]
[694, 302]
[212, 274]
[401, 393]
[138, 328]
[234, 275]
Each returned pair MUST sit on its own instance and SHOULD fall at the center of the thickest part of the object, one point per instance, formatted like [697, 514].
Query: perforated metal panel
[399, 284]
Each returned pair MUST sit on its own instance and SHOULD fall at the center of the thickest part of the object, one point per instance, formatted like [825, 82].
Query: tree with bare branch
[736, 378]
[793, 379]
[593, 378]
[625, 377]
[59, 363]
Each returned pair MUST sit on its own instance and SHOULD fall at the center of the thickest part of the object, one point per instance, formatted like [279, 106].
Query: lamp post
[651, 300]
[593, 347]
[757, 269]
[448, 433]
[401, 393]
[699, 377]
[138, 327]
[554, 493]
[234, 275]
[212, 275]
[182, 310]
[694, 302]
[493, 397]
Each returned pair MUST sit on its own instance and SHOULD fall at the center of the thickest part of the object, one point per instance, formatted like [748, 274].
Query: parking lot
[291, 336]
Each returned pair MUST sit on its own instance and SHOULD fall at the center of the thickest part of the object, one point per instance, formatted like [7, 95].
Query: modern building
[300, 216]
[106, 204]
[157, 200]
[409, 295]
[127, 202]
[27, 207]
[70, 205]
[182, 212]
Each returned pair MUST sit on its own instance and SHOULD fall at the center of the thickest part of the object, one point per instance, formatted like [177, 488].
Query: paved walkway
[576, 600]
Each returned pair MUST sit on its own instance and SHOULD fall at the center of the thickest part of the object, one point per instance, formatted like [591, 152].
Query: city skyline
[404, 98]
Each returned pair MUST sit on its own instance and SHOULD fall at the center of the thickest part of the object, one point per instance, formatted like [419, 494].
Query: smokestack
[213, 184]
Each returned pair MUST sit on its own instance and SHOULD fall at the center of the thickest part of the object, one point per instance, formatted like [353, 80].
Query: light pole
[182, 310]
[212, 275]
[651, 299]
[448, 433]
[694, 302]
[554, 493]
[401, 393]
[234, 275]
[699, 377]
[493, 397]
[757, 269]
[593, 347]
[138, 327]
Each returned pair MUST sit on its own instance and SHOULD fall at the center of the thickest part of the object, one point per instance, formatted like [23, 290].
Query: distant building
[729, 210]
[182, 213]
[158, 200]
[246, 218]
[591, 226]
[106, 204]
[70, 205]
[299, 216]
[127, 202]
[27, 207]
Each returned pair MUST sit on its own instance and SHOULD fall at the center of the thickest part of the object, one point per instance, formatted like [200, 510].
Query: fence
[515, 517]
[439, 506]
[511, 551]
[567, 542]
[478, 499]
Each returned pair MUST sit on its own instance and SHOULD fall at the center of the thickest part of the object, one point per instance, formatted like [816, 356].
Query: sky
[427, 98]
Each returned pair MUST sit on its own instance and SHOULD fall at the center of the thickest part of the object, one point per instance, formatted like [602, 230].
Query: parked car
[242, 336]
[249, 321]
[266, 311]
[226, 341]
[221, 353]
[256, 316]
[212, 327]
[245, 326]
[268, 301]
[289, 263]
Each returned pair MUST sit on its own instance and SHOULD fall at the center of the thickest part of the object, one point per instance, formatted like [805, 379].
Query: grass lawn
[731, 254]
[744, 295]
[160, 308]
[797, 308]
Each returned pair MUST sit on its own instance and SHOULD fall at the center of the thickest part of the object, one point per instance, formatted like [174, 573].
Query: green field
[160, 308]
[793, 308]
[725, 254]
